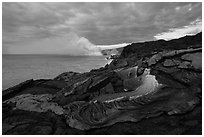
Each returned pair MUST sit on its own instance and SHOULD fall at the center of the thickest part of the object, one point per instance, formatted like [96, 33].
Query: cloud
[33, 24]
[192, 29]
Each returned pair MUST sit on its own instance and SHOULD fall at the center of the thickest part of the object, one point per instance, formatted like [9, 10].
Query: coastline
[71, 93]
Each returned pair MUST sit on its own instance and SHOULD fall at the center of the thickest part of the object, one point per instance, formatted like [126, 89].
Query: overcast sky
[75, 28]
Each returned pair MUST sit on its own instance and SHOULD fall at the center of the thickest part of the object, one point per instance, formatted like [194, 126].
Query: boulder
[128, 73]
[37, 103]
[170, 63]
[195, 58]
[66, 76]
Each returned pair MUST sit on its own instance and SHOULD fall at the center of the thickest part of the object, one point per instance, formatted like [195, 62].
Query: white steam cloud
[88, 47]
[69, 44]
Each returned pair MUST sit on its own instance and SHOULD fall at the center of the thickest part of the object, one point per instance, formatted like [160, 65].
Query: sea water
[18, 68]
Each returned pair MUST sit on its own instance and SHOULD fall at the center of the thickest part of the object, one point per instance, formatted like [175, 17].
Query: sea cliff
[152, 88]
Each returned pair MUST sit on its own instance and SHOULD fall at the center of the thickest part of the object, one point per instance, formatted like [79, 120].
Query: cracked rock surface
[157, 91]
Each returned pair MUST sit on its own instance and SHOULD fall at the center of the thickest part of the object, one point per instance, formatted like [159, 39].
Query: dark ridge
[147, 48]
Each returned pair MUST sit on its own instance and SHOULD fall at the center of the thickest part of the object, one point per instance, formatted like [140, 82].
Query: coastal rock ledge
[151, 88]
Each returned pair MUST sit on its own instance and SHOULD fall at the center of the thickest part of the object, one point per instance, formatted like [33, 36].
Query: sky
[83, 28]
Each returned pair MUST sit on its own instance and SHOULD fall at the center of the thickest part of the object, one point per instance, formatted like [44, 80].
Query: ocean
[18, 68]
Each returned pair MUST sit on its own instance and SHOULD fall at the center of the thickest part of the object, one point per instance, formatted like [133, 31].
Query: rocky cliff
[151, 88]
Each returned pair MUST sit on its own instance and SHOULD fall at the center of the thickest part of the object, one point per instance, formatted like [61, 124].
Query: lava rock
[96, 102]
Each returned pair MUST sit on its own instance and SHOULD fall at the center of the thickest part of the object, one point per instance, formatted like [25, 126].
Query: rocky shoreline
[151, 88]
